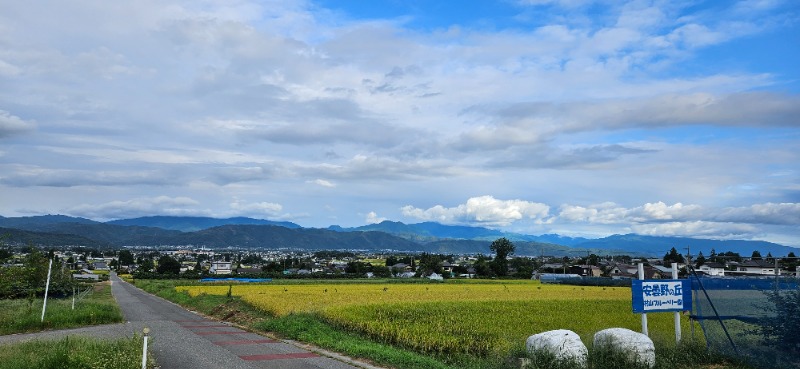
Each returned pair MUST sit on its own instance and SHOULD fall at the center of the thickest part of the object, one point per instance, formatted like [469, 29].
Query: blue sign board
[660, 295]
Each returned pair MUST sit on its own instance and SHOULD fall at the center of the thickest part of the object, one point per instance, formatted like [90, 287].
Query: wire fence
[756, 319]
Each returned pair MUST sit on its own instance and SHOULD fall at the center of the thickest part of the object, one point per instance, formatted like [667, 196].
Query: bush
[780, 330]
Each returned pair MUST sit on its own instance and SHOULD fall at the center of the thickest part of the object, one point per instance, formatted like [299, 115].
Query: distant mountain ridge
[51, 230]
[191, 224]
[428, 231]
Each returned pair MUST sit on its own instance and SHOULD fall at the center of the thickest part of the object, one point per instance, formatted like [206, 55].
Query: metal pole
[46, 288]
[73, 298]
[677, 314]
[644, 315]
[144, 348]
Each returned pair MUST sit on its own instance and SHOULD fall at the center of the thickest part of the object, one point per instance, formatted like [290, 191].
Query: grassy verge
[313, 329]
[23, 315]
[74, 352]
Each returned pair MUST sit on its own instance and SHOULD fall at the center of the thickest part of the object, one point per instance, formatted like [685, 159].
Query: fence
[756, 319]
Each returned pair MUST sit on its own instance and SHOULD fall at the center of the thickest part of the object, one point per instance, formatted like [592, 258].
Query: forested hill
[15, 236]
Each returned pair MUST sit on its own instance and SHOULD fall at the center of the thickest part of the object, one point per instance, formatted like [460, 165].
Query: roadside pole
[677, 314]
[46, 288]
[644, 315]
[144, 349]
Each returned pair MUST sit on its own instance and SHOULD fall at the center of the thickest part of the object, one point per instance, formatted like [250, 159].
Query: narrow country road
[180, 339]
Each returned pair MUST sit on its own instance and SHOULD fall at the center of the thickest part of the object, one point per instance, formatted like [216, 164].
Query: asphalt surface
[181, 339]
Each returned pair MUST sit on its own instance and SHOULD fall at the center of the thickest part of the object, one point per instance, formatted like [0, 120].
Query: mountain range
[240, 232]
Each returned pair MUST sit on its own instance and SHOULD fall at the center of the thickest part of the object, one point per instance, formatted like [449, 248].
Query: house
[248, 271]
[447, 267]
[585, 270]
[624, 269]
[100, 265]
[664, 270]
[221, 267]
[469, 274]
[756, 267]
[401, 266]
[712, 269]
[656, 273]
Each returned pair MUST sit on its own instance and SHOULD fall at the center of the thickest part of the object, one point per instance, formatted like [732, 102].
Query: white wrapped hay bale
[562, 343]
[638, 346]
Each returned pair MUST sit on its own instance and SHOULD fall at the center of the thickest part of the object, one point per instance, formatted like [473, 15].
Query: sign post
[677, 313]
[661, 295]
[644, 315]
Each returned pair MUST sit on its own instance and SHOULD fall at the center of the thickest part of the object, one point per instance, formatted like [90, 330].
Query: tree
[146, 265]
[780, 328]
[251, 259]
[125, 257]
[501, 248]
[524, 267]
[673, 256]
[381, 271]
[700, 260]
[357, 267]
[790, 262]
[168, 265]
[429, 263]
[482, 268]
[756, 255]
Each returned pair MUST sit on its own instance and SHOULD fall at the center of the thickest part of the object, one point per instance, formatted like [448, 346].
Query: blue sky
[578, 117]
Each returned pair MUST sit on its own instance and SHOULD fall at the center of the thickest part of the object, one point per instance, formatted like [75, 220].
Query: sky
[577, 117]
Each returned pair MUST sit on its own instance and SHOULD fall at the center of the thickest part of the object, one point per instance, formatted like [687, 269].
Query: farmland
[483, 318]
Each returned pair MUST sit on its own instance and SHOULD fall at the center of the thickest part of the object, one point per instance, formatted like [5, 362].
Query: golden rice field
[483, 317]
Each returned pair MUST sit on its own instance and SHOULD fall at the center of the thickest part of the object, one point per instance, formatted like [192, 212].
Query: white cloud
[699, 229]
[483, 210]
[259, 208]
[323, 183]
[768, 213]
[373, 218]
[144, 206]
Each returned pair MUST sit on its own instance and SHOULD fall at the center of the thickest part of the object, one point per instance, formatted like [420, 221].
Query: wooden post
[644, 315]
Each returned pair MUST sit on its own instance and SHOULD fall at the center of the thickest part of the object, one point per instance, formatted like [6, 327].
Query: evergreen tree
[700, 260]
[673, 257]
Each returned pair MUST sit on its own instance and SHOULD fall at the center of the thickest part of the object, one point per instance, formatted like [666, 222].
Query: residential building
[712, 269]
[221, 267]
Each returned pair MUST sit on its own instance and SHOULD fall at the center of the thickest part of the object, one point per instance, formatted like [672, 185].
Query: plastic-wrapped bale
[562, 343]
[638, 346]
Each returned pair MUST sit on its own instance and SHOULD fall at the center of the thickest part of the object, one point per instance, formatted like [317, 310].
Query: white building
[756, 267]
[221, 267]
[712, 269]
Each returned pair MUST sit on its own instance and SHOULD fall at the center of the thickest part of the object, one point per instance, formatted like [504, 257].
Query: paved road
[182, 339]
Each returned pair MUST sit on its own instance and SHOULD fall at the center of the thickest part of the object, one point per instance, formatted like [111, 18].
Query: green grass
[74, 353]
[23, 315]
